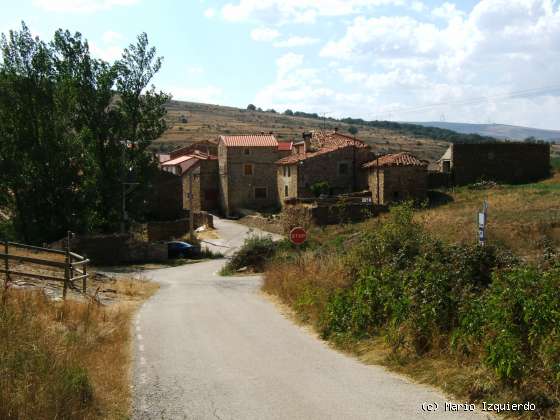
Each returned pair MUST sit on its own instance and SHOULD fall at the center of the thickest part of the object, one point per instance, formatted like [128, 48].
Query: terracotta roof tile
[298, 157]
[397, 159]
[263, 140]
[321, 139]
[285, 146]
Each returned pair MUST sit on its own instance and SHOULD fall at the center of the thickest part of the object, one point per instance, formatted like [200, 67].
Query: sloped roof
[321, 139]
[285, 146]
[397, 159]
[263, 140]
[176, 161]
[298, 157]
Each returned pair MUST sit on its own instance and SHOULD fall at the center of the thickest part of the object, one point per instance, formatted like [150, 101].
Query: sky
[487, 61]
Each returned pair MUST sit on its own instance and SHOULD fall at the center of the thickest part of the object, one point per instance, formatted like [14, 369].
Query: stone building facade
[204, 180]
[247, 172]
[397, 177]
[507, 162]
[330, 158]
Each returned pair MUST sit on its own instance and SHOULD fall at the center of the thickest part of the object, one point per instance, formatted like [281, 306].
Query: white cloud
[108, 53]
[195, 70]
[263, 34]
[447, 11]
[296, 41]
[81, 6]
[111, 37]
[204, 94]
[210, 13]
[300, 11]
[288, 62]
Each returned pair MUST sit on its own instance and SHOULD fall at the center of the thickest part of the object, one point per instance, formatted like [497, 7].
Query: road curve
[209, 347]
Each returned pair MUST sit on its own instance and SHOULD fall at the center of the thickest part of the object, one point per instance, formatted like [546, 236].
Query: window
[288, 171]
[285, 190]
[284, 169]
[446, 166]
[260, 192]
[248, 169]
[247, 152]
[343, 168]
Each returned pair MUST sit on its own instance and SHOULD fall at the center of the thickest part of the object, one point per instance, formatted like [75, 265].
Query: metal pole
[191, 213]
[84, 289]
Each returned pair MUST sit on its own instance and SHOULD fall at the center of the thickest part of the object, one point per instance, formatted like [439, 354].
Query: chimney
[307, 140]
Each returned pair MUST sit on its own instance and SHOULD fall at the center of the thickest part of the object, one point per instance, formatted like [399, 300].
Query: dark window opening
[248, 169]
[260, 192]
[343, 169]
[285, 190]
[247, 151]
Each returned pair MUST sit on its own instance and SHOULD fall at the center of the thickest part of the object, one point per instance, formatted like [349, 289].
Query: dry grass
[521, 217]
[207, 122]
[69, 359]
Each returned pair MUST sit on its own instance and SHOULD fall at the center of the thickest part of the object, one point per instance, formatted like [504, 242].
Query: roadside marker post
[482, 221]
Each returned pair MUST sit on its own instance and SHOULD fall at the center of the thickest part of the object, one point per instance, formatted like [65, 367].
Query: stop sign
[298, 235]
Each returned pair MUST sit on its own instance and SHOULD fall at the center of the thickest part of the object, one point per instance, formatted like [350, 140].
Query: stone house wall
[205, 186]
[165, 202]
[238, 190]
[502, 162]
[398, 183]
[326, 168]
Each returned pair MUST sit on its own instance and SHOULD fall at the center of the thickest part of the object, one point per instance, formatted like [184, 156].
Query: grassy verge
[66, 360]
[476, 321]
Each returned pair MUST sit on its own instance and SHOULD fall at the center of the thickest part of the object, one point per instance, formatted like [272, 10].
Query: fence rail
[74, 265]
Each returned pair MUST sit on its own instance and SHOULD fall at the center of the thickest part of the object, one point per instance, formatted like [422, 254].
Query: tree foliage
[64, 118]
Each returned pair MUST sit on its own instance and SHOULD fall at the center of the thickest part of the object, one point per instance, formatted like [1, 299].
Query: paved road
[209, 347]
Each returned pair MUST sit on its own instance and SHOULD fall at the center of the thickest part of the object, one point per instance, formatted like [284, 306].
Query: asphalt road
[209, 347]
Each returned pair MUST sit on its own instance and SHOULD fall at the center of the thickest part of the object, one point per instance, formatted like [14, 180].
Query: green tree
[251, 107]
[289, 112]
[63, 116]
[353, 130]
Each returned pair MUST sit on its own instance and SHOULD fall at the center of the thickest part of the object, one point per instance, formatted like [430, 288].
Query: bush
[254, 254]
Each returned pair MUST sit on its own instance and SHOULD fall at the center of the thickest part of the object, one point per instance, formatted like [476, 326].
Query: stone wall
[326, 168]
[205, 186]
[164, 231]
[501, 162]
[236, 188]
[166, 197]
[329, 214]
[118, 249]
[398, 183]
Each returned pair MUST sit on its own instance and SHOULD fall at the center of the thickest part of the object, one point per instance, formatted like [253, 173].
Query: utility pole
[377, 177]
[124, 185]
[482, 221]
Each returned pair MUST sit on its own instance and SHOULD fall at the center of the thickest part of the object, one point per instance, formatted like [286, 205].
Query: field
[67, 359]
[207, 122]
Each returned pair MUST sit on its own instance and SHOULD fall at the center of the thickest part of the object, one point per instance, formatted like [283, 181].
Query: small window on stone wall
[286, 191]
[248, 169]
[247, 152]
[260, 192]
[343, 168]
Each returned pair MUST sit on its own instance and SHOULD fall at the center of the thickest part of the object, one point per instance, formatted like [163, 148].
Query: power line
[477, 100]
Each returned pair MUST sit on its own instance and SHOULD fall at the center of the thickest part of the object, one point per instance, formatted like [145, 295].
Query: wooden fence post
[67, 266]
[84, 289]
[6, 263]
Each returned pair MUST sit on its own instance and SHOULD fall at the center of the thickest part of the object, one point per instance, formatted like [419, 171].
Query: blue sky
[407, 60]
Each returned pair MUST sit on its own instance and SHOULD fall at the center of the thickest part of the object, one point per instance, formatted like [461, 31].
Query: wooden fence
[74, 265]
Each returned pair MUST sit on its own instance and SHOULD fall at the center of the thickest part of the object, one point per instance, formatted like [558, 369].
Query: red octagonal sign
[298, 235]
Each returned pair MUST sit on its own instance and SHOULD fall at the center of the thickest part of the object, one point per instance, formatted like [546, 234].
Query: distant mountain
[500, 131]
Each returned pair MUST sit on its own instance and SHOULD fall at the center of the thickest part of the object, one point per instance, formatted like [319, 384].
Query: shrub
[320, 188]
[254, 254]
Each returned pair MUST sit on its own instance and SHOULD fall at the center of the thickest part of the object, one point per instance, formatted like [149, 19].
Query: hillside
[500, 131]
[191, 122]
[205, 122]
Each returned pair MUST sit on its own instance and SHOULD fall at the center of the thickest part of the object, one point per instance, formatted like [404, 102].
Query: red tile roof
[321, 139]
[298, 157]
[176, 161]
[263, 140]
[397, 159]
[285, 146]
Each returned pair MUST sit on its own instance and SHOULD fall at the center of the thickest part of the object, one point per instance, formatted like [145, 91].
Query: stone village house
[199, 173]
[397, 177]
[247, 172]
[323, 157]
